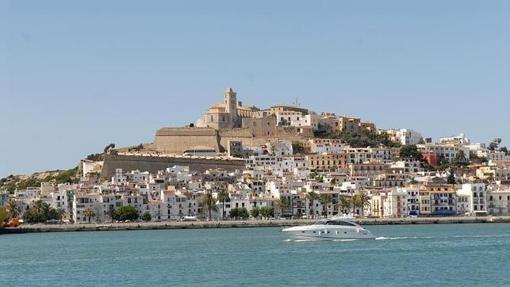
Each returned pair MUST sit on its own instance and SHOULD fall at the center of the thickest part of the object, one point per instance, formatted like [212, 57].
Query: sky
[78, 75]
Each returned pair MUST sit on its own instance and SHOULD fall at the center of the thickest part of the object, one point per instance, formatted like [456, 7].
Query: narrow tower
[231, 104]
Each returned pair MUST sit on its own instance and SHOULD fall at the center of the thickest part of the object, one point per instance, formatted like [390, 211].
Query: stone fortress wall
[222, 124]
[156, 163]
[179, 140]
[229, 121]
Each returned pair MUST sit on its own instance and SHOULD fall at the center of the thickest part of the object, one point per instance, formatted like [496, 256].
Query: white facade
[461, 139]
[309, 120]
[498, 201]
[290, 118]
[321, 146]
[476, 194]
[395, 203]
[447, 151]
[404, 136]
[409, 166]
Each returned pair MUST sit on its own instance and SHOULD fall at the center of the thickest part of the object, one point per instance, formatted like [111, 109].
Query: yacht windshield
[335, 222]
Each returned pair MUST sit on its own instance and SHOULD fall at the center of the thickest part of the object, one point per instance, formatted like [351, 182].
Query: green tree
[443, 162]
[40, 212]
[109, 147]
[312, 197]
[146, 216]
[95, 157]
[239, 212]
[282, 203]
[474, 158]
[234, 213]
[283, 123]
[298, 148]
[243, 213]
[361, 200]
[3, 216]
[223, 197]
[124, 213]
[111, 212]
[494, 144]
[267, 211]
[12, 209]
[89, 213]
[255, 212]
[209, 203]
[451, 177]
[410, 152]
[345, 204]
[460, 159]
[325, 199]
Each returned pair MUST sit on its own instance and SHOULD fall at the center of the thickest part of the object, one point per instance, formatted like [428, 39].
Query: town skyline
[184, 122]
[75, 88]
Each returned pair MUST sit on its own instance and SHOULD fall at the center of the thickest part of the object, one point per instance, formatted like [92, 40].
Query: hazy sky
[77, 75]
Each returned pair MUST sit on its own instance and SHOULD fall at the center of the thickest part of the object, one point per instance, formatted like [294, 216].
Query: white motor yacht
[332, 228]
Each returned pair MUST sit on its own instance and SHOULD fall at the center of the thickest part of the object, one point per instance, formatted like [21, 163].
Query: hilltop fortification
[230, 121]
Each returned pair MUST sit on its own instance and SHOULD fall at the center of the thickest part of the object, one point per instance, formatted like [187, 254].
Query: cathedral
[226, 115]
[229, 122]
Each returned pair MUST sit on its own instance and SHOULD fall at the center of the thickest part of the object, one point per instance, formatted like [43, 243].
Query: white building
[409, 166]
[395, 203]
[476, 194]
[447, 151]
[461, 139]
[498, 201]
[83, 201]
[321, 146]
[404, 136]
[309, 120]
[289, 118]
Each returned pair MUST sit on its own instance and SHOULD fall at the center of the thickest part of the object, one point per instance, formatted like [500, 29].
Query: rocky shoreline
[31, 228]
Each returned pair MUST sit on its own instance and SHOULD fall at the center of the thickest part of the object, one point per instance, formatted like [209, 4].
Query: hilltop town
[285, 161]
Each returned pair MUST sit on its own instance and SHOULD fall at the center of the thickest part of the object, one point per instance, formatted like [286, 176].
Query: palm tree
[223, 196]
[209, 203]
[61, 214]
[325, 198]
[345, 203]
[12, 209]
[312, 196]
[282, 204]
[361, 200]
[111, 212]
[89, 213]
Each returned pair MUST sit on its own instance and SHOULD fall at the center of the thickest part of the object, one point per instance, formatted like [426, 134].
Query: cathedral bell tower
[231, 104]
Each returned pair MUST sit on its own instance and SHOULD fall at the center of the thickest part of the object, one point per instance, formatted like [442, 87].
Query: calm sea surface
[413, 255]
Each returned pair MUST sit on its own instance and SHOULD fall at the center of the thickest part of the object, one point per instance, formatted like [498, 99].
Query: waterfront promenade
[28, 228]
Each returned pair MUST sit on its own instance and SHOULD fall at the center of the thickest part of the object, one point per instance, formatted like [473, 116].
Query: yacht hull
[328, 232]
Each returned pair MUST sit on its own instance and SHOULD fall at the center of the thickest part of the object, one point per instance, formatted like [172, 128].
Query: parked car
[189, 218]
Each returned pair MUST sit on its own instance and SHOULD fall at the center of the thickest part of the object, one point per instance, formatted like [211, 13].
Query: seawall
[28, 228]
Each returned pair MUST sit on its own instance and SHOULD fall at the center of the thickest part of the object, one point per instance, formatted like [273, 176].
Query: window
[340, 223]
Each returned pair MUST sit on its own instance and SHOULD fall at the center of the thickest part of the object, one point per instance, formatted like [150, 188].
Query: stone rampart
[179, 140]
[155, 163]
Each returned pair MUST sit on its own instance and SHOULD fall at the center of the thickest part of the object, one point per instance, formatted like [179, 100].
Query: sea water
[403, 255]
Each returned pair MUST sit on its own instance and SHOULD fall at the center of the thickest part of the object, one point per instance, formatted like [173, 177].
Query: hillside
[13, 182]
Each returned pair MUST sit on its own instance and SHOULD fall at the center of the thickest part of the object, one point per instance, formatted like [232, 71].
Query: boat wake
[344, 240]
[324, 239]
[403, 238]
[482, 236]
